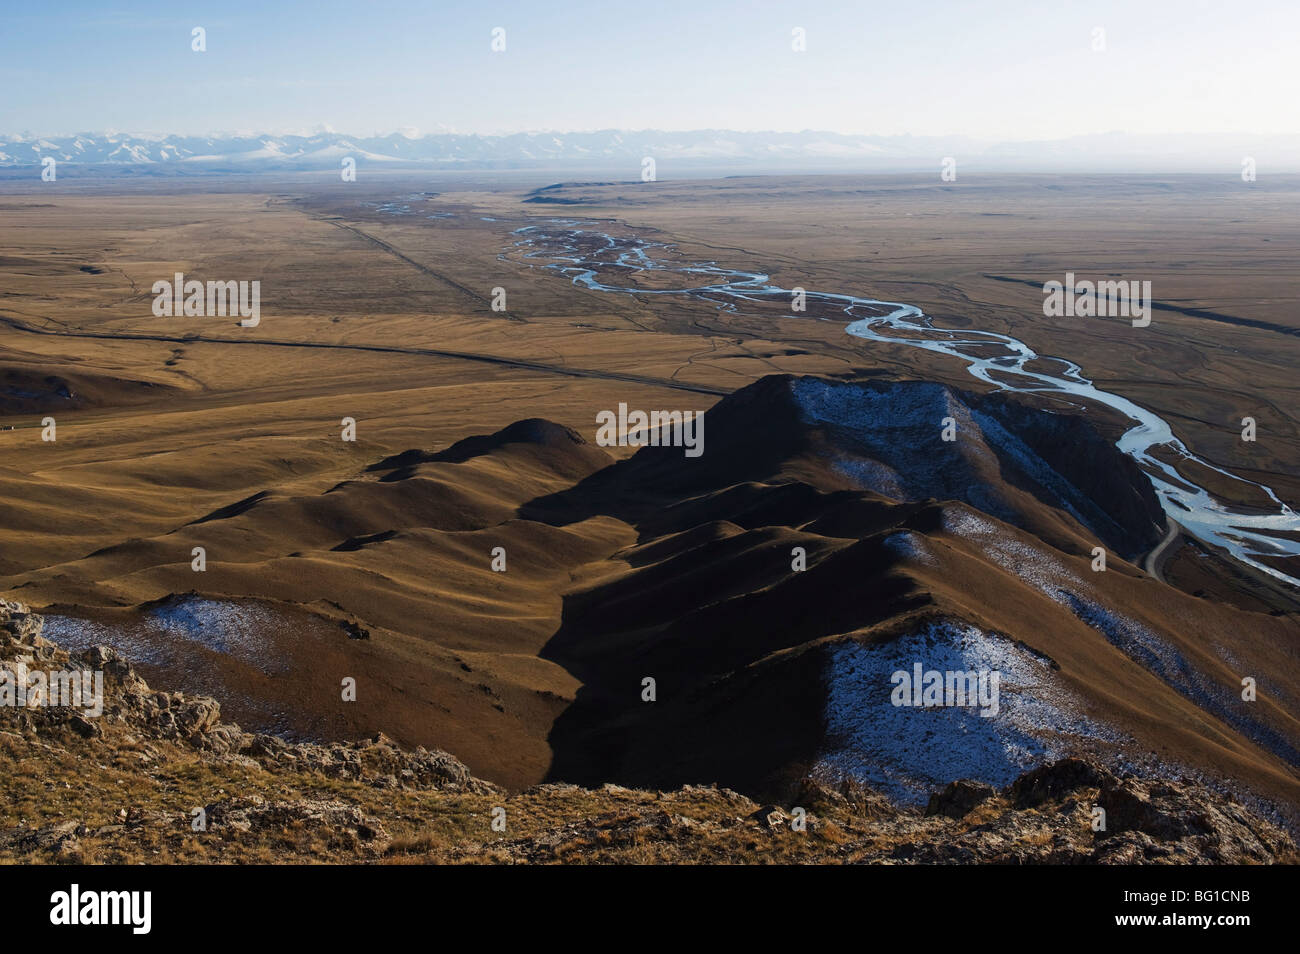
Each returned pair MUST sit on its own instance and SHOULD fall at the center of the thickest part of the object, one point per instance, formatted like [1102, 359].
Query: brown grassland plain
[386, 319]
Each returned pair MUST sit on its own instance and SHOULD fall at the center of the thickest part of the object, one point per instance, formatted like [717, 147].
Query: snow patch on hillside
[910, 546]
[908, 751]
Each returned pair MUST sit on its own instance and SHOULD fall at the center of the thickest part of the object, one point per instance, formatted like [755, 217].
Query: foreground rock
[158, 777]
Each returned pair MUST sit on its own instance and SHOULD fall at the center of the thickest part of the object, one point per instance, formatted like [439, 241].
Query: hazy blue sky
[1007, 70]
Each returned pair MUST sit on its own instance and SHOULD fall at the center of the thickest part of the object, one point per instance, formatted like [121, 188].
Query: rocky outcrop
[959, 798]
[1050, 816]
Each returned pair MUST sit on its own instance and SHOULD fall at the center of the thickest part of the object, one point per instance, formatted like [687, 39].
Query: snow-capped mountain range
[327, 149]
[611, 147]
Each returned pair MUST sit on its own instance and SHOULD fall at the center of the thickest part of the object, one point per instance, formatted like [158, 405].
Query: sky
[1008, 70]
